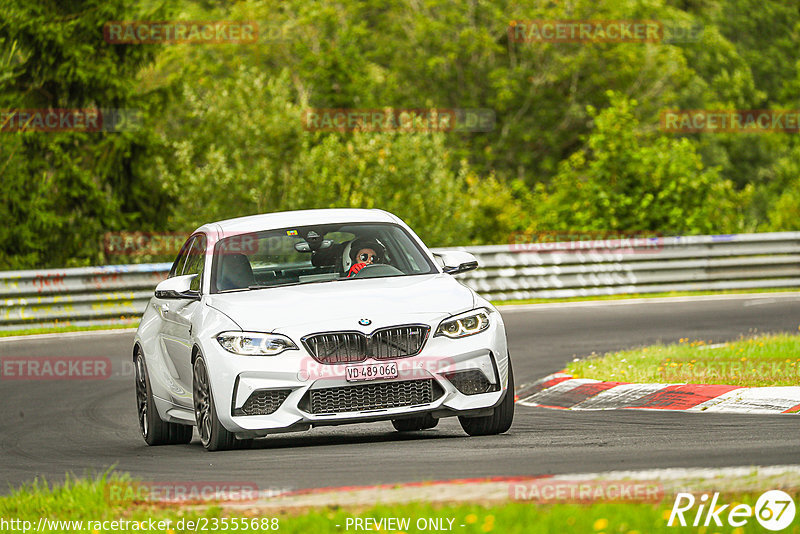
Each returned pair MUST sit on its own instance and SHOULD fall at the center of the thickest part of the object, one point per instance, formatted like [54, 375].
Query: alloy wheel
[202, 401]
[141, 395]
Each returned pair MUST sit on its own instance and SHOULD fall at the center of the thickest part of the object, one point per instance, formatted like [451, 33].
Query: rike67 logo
[774, 510]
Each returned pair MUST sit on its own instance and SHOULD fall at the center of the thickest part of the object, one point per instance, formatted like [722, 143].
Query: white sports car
[286, 321]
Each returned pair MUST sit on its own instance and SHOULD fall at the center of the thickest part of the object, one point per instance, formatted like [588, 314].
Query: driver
[363, 252]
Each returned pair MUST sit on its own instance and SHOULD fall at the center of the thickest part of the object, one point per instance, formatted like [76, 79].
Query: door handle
[163, 308]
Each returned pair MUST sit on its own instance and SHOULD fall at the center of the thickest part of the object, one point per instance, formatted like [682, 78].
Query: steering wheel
[377, 270]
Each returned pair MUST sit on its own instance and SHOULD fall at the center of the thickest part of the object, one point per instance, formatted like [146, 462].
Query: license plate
[370, 371]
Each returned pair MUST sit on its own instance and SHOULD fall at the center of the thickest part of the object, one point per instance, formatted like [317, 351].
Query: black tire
[409, 424]
[500, 420]
[213, 435]
[155, 430]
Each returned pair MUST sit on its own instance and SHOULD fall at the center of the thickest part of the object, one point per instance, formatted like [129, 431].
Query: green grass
[86, 500]
[65, 328]
[766, 360]
[644, 296]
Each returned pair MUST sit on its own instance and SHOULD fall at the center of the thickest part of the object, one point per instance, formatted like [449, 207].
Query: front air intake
[471, 382]
[375, 396]
[263, 402]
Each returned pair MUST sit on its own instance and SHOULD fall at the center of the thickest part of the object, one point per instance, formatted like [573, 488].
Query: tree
[629, 180]
[233, 159]
[63, 190]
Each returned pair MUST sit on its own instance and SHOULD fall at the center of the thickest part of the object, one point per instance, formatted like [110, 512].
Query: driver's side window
[180, 262]
[196, 261]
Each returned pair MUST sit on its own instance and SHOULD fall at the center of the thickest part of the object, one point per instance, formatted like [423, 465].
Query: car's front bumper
[294, 377]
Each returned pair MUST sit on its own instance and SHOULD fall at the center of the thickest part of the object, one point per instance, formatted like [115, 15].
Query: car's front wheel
[155, 430]
[213, 435]
[500, 420]
[409, 424]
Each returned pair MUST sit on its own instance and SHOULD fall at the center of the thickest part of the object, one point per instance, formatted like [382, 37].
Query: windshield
[312, 254]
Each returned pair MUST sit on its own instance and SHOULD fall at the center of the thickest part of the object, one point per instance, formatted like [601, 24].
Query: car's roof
[286, 219]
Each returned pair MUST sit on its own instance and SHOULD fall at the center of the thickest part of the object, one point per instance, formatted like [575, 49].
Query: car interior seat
[235, 272]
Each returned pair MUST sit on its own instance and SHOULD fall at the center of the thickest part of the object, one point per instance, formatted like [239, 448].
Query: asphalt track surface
[49, 428]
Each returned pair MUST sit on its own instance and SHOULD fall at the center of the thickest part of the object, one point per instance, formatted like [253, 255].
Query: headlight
[466, 324]
[255, 343]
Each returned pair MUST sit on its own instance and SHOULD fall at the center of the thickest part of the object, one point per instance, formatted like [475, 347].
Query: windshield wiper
[276, 285]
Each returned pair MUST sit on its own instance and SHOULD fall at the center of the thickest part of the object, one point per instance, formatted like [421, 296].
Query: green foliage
[92, 500]
[62, 190]
[765, 360]
[784, 191]
[627, 179]
[222, 134]
[268, 162]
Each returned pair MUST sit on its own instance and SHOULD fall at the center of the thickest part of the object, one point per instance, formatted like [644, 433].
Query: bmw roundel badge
[364, 322]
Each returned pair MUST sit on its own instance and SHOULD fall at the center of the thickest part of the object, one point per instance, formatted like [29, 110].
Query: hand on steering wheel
[355, 268]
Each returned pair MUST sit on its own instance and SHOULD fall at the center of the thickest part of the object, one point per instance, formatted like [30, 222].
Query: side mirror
[456, 261]
[177, 287]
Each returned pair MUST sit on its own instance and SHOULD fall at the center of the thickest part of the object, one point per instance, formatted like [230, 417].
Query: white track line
[619, 396]
[624, 302]
[557, 389]
[753, 400]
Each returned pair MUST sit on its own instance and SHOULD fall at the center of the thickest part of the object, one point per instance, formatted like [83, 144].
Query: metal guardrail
[119, 293]
[682, 263]
[85, 296]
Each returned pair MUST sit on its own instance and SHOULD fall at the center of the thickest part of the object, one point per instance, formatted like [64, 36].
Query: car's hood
[340, 305]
